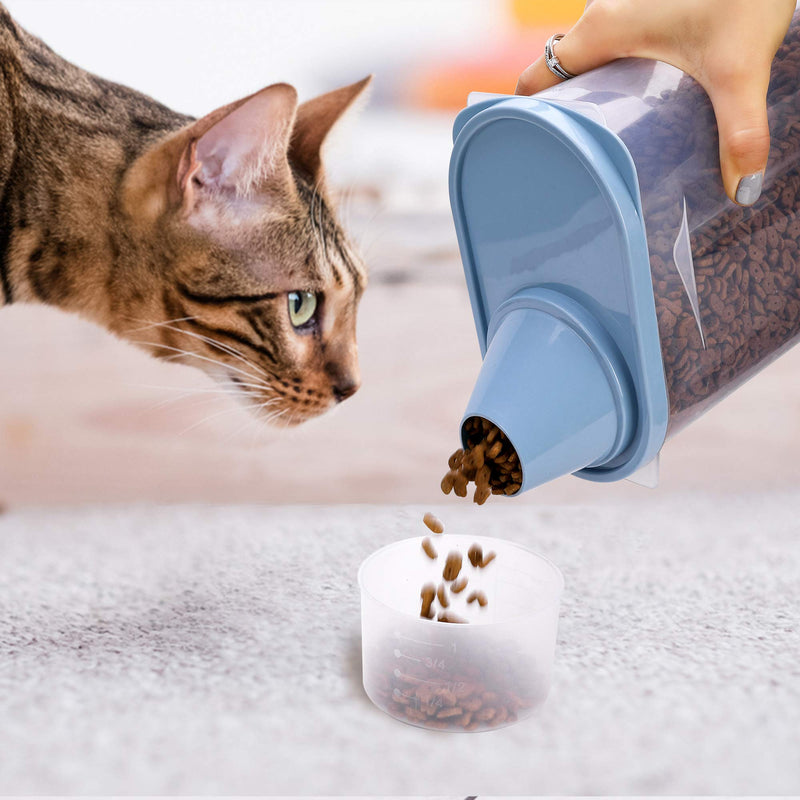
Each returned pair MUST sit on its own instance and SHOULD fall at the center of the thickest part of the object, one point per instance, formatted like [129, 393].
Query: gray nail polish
[749, 189]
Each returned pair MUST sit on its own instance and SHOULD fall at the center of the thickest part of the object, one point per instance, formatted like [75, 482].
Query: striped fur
[110, 207]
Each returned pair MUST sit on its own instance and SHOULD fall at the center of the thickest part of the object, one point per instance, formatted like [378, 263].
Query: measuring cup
[486, 673]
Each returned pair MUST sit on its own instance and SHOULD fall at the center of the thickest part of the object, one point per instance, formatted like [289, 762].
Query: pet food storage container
[487, 673]
[617, 292]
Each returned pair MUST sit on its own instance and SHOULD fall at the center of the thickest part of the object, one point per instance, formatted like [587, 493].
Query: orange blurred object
[496, 69]
[446, 86]
[538, 13]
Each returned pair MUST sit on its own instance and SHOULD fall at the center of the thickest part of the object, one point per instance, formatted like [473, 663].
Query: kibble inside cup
[487, 673]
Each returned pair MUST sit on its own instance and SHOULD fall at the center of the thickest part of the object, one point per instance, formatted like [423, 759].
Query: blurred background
[87, 418]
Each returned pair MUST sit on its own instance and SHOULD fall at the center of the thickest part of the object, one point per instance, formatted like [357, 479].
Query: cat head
[253, 279]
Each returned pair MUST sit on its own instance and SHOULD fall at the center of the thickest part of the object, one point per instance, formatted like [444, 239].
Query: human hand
[725, 45]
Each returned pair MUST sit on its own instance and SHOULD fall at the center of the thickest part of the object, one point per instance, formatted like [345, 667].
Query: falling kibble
[452, 566]
[479, 597]
[449, 616]
[433, 522]
[441, 596]
[430, 550]
[475, 555]
[428, 595]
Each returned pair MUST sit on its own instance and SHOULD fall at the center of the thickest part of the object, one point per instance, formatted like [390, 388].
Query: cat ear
[314, 121]
[240, 146]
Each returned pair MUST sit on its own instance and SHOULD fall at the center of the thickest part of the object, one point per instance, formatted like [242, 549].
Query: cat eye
[302, 307]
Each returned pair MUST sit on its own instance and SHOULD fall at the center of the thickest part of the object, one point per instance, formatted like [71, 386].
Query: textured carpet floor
[216, 650]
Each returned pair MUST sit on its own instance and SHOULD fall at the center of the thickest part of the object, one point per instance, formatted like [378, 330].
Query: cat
[209, 241]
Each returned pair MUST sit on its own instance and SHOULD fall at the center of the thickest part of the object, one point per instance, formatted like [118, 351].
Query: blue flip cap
[548, 215]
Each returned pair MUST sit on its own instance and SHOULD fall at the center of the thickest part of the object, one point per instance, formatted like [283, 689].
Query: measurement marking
[398, 635]
[401, 654]
[398, 673]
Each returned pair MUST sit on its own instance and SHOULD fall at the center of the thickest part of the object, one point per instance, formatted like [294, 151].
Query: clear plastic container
[487, 673]
[617, 292]
[726, 278]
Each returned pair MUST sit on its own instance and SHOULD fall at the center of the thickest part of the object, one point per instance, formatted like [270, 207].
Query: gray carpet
[216, 650]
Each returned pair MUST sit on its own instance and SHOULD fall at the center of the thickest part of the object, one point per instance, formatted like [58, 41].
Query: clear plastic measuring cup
[487, 673]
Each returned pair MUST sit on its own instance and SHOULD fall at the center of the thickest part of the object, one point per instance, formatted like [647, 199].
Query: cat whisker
[226, 348]
[253, 422]
[180, 352]
[233, 391]
[209, 418]
[148, 325]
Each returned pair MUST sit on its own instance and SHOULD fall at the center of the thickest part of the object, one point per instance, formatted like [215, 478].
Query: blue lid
[547, 200]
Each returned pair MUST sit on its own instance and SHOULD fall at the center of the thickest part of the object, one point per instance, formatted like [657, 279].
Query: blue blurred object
[549, 220]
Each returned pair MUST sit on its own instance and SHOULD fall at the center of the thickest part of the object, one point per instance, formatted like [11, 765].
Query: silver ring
[551, 59]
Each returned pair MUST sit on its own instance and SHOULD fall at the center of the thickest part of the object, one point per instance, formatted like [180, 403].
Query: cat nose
[345, 389]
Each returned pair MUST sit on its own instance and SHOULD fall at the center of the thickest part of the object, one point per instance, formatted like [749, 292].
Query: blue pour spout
[556, 384]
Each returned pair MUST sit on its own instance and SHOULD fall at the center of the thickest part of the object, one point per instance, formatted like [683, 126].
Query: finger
[536, 78]
[741, 111]
[594, 40]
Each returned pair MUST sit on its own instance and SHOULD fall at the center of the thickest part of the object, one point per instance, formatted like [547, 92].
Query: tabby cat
[210, 241]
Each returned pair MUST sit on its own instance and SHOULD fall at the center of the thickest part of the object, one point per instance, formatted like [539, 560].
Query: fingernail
[749, 189]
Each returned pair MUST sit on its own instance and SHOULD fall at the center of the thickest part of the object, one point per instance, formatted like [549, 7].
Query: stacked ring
[551, 59]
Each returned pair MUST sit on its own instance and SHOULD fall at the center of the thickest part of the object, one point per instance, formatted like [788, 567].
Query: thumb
[741, 112]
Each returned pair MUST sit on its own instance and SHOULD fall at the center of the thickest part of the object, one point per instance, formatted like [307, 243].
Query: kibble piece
[458, 586]
[448, 482]
[494, 450]
[452, 566]
[475, 555]
[449, 616]
[428, 595]
[430, 550]
[471, 704]
[455, 460]
[482, 494]
[479, 597]
[433, 522]
[441, 595]
[488, 558]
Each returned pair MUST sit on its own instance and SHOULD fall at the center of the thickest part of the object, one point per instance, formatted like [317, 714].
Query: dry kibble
[449, 616]
[452, 566]
[475, 555]
[428, 595]
[746, 260]
[430, 550]
[441, 595]
[482, 494]
[455, 460]
[488, 558]
[488, 459]
[478, 596]
[458, 586]
[433, 522]
[448, 482]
